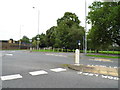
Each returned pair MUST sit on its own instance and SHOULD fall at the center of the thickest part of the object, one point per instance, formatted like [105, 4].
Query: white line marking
[12, 51]
[79, 72]
[85, 73]
[103, 76]
[38, 72]
[9, 54]
[96, 75]
[55, 55]
[10, 77]
[110, 77]
[90, 74]
[116, 78]
[58, 70]
[115, 67]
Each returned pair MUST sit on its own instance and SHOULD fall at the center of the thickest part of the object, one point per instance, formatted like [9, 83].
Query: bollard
[77, 56]
[30, 49]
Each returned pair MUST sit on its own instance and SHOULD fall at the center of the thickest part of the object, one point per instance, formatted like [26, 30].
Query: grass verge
[103, 56]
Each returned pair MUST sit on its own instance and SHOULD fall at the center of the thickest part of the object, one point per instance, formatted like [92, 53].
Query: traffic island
[94, 69]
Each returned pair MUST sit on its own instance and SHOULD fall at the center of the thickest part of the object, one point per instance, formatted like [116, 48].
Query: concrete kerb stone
[109, 71]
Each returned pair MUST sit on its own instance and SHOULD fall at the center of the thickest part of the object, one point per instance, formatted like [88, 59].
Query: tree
[50, 36]
[104, 17]
[68, 31]
[25, 40]
[42, 40]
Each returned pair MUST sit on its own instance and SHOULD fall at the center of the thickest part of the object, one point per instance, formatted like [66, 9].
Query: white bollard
[30, 49]
[77, 56]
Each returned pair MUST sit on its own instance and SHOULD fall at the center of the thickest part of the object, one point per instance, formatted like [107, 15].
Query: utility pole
[85, 29]
[20, 38]
[38, 30]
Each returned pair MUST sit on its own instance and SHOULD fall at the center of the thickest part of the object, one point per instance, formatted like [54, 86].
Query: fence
[8, 46]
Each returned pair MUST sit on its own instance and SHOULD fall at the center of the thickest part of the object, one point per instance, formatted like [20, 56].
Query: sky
[19, 18]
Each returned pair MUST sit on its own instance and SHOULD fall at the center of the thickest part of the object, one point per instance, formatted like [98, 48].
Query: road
[21, 63]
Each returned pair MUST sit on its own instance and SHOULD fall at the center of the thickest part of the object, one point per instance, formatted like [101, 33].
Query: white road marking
[9, 54]
[55, 55]
[38, 72]
[12, 51]
[103, 76]
[10, 77]
[58, 70]
[110, 77]
[115, 67]
[116, 78]
[90, 74]
[79, 72]
[85, 73]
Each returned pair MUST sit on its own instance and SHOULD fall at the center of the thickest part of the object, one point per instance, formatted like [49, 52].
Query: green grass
[51, 50]
[103, 56]
[110, 52]
[68, 50]
[45, 50]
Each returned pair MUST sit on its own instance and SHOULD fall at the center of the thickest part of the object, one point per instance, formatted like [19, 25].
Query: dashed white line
[58, 70]
[103, 76]
[12, 51]
[10, 77]
[55, 55]
[38, 72]
[9, 54]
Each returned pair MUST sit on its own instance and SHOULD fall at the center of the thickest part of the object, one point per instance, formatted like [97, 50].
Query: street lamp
[38, 29]
[38, 43]
[30, 40]
[85, 30]
[20, 37]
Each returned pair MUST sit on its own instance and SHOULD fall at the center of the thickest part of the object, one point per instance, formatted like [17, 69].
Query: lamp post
[20, 37]
[30, 40]
[38, 28]
[85, 30]
[38, 43]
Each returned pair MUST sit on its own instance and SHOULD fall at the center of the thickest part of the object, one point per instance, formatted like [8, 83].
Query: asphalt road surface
[24, 69]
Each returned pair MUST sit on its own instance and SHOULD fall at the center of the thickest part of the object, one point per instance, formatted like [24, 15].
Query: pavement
[24, 69]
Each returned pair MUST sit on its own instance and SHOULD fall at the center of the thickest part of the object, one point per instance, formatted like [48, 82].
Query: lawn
[103, 56]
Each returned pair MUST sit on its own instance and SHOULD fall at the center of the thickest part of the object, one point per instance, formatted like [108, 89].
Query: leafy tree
[42, 40]
[68, 31]
[34, 43]
[25, 39]
[65, 34]
[39, 40]
[50, 36]
[104, 17]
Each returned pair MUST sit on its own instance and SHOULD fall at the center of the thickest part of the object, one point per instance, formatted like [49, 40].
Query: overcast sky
[19, 13]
